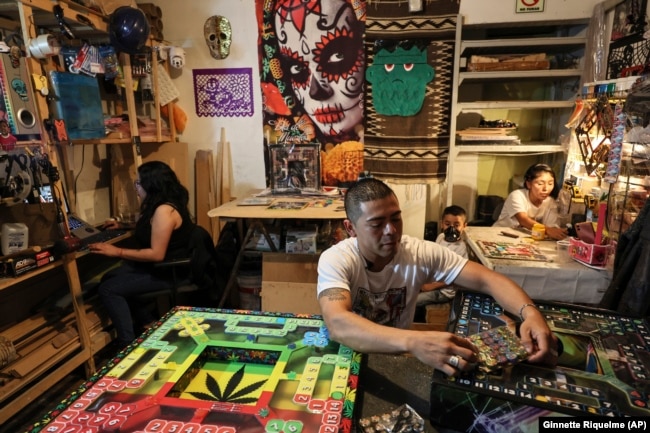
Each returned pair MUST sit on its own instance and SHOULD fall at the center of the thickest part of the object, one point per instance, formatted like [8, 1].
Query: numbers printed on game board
[92, 393]
[117, 385]
[191, 428]
[98, 420]
[333, 406]
[84, 417]
[331, 418]
[301, 398]
[54, 427]
[316, 406]
[281, 426]
[104, 383]
[274, 426]
[328, 429]
[109, 408]
[155, 425]
[173, 427]
[135, 383]
[115, 422]
[69, 415]
[82, 403]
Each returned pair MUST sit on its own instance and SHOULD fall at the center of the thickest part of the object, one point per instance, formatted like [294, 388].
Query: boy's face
[457, 222]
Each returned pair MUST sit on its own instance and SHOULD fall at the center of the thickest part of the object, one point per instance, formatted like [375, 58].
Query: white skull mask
[218, 36]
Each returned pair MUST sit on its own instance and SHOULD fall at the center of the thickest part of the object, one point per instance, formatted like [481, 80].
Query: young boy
[454, 221]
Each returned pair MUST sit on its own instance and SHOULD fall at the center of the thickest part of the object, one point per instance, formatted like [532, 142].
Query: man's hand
[537, 338]
[443, 351]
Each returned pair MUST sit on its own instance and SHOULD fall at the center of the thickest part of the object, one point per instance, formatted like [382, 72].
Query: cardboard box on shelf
[19, 263]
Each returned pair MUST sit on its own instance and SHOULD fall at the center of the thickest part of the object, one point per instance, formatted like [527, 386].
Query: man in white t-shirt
[368, 286]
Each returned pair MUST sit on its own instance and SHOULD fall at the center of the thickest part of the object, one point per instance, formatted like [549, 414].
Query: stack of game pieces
[498, 347]
[400, 420]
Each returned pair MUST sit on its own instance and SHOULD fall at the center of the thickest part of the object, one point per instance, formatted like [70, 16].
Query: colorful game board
[603, 370]
[506, 250]
[219, 371]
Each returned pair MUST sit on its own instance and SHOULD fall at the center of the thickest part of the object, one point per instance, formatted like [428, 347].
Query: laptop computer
[77, 226]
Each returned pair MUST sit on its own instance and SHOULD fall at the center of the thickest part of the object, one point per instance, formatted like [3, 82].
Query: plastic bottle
[538, 232]
[15, 237]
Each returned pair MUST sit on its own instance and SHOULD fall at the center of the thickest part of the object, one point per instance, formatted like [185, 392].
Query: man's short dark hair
[454, 210]
[364, 190]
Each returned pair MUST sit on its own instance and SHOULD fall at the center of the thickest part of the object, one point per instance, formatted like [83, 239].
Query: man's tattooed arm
[334, 294]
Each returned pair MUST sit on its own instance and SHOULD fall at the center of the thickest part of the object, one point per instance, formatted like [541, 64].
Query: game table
[202, 370]
[552, 279]
[219, 371]
[603, 370]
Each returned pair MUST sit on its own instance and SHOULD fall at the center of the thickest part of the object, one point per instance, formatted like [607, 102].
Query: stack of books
[489, 136]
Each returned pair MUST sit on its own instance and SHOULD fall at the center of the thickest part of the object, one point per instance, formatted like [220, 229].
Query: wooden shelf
[546, 74]
[524, 105]
[8, 282]
[50, 366]
[47, 354]
[522, 45]
[128, 140]
[509, 148]
[55, 375]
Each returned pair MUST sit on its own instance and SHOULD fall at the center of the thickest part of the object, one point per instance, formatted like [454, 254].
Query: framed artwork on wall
[629, 19]
[629, 51]
[295, 168]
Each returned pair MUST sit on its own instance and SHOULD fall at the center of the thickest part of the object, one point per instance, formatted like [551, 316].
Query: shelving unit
[538, 101]
[48, 355]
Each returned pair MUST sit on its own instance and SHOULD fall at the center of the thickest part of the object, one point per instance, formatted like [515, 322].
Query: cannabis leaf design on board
[230, 393]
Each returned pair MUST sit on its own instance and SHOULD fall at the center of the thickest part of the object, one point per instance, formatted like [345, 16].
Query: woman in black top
[162, 232]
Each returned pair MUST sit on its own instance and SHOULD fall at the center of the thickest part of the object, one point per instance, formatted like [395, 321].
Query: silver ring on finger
[454, 361]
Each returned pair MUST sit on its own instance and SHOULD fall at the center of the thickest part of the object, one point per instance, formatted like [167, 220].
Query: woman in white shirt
[534, 203]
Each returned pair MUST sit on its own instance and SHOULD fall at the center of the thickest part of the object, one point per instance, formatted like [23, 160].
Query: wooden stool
[437, 315]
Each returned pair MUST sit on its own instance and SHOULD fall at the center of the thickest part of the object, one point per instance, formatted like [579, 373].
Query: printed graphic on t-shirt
[384, 308]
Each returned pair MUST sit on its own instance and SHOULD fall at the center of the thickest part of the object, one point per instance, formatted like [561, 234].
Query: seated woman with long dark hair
[534, 203]
[162, 232]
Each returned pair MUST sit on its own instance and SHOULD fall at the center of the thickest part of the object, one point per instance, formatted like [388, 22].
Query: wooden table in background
[255, 215]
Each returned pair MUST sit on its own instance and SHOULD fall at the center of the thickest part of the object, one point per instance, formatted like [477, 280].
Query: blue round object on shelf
[128, 29]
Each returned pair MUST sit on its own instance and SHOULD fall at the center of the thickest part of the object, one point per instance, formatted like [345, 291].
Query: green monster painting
[399, 78]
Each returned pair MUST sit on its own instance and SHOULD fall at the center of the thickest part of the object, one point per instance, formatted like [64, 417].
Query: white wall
[183, 25]
[500, 11]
